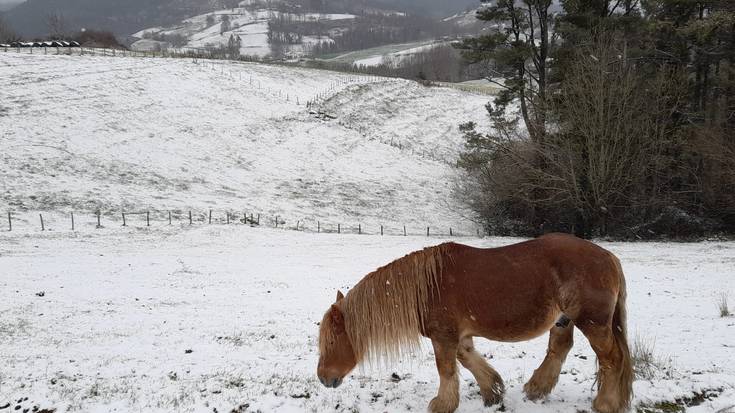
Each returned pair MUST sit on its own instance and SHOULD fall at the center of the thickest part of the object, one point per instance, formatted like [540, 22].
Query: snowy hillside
[251, 26]
[131, 134]
[391, 54]
[223, 317]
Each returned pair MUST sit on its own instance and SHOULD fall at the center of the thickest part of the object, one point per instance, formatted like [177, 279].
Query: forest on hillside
[616, 118]
[29, 19]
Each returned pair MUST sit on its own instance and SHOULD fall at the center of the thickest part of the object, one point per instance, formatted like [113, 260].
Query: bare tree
[7, 34]
[226, 26]
[56, 24]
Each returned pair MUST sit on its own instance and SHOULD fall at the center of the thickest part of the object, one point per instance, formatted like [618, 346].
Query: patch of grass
[722, 305]
[680, 404]
[646, 364]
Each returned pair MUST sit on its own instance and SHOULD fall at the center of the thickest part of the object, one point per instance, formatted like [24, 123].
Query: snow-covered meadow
[220, 317]
[131, 134]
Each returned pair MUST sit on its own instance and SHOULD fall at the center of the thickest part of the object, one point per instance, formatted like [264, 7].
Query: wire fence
[52, 221]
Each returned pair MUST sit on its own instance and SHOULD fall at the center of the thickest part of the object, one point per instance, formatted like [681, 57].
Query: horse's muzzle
[330, 383]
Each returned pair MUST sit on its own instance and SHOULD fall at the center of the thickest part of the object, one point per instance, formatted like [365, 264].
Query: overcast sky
[4, 4]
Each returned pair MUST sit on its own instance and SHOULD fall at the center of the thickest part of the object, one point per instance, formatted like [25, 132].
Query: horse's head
[336, 355]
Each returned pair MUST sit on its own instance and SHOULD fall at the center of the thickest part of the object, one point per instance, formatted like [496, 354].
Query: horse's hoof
[601, 405]
[438, 405]
[535, 391]
[489, 402]
[495, 396]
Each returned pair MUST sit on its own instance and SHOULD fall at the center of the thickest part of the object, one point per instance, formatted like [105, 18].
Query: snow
[376, 60]
[216, 317]
[202, 317]
[135, 134]
[395, 57]
[250, 25]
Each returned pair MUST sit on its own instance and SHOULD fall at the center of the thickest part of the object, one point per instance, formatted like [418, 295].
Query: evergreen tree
[516, 56]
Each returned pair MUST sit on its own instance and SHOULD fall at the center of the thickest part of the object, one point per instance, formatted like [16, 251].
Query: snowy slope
[220, 317]
[250, 25]
[394, 58]
[131, 134]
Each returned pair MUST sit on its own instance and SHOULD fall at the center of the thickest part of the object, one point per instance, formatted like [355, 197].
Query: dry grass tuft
[722, 305]
[646, 363]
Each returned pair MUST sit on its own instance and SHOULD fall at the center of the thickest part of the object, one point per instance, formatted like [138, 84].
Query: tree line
[616, 118]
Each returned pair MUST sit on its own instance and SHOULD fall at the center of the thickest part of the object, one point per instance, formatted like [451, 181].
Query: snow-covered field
[132, 134]
[220, 317]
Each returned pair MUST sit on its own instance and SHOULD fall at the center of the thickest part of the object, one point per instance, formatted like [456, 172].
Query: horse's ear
[338, 319]
[340, 296]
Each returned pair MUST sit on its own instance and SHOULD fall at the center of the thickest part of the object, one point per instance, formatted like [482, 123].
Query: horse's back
[520, 289]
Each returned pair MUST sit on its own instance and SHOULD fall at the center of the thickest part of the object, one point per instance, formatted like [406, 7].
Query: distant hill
[124, 17]
[121, 17]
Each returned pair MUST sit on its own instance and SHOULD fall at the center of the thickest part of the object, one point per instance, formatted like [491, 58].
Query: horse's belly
[509, 324]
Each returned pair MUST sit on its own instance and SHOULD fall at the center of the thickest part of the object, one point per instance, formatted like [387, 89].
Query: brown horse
[451, 293]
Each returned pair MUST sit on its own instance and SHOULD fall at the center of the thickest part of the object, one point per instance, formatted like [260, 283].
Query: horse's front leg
[447, 401]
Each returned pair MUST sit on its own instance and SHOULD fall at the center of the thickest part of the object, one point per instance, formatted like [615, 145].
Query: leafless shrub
[722, 305]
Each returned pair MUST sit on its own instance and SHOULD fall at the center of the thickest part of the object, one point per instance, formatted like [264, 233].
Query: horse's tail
[620, 334]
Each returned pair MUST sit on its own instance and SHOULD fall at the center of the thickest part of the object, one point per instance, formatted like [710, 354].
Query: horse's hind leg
[546, 376]
[447, 400]
[610, 398]
[491, 385]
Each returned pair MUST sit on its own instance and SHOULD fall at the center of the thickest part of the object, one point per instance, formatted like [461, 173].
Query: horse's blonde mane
[384, 312]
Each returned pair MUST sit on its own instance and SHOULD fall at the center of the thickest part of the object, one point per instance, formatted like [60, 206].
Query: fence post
[228, 217]
[339, 228]
[427, 231]
[99, 219]
[450, 232]
[169, 217]
[42, 226]
[72, 221]
[10, 222]
[359, 229]
[148, 218]
[381, 230]
[258, 221]
[210, 216]
[190, 220]
[124, 223]
[404, 230]
[318, 227]
[276, 221]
